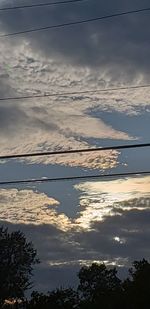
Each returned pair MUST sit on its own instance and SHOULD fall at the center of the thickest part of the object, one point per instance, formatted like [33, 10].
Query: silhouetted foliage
[58, 299]
[99, 286]
[16, 259]
[137, 286]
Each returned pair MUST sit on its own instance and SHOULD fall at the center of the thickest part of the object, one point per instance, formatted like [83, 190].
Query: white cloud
[29, 207]
[108, 226]
[108, 198]
[52, 123]
[98, 200]
[69, 122]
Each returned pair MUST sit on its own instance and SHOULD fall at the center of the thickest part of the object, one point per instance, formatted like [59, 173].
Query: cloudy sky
[75, 223]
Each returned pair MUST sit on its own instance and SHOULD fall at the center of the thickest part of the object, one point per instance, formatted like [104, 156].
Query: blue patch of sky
[136, 159]
[137, 126]
[62, 191]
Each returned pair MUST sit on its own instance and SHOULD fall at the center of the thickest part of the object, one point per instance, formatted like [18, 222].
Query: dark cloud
[122, 238]
[44, 125]
[54, 277]
[52, 245]
[5, 88]
[14, 119]
[11, 118]
[124, 235]
[117, 47]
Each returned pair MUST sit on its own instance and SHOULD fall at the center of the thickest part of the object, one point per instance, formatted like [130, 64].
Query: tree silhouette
[16, 259]
[58, 299]
[137, 286]
[99, 286]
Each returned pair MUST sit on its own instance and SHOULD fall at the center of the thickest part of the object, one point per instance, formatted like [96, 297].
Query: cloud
[107, 198]
[111, 215]
[51, 123]
[11, 119]
[118, 47]
[111, 225]
[29, 207]
[125, 236]
[39, 65]
[118, 240]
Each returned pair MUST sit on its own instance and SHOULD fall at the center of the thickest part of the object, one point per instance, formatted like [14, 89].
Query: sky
[78, 222]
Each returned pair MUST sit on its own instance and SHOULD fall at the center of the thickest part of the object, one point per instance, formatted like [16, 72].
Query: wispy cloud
[117, 236]
[29, 207]
[54, 123]
[103, 199]
[98, 200]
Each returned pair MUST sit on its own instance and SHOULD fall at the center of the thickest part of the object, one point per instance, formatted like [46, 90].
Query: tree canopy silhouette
[99, 286]
[57, 299]
[137, 287]
[17, 257]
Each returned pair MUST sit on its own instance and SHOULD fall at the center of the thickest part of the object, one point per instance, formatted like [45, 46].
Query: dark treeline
[99, 286]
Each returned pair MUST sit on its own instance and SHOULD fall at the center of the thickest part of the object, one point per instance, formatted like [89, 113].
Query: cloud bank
[117, 236]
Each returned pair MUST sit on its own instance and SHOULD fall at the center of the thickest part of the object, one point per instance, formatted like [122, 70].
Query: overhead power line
[51, 153]
[27, 97]
[115, 175]
[83, 21]
[10, 8]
